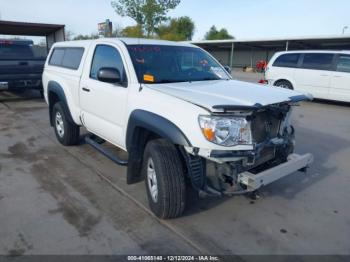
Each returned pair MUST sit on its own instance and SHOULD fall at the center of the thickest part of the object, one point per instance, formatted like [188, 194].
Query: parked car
[20, 67]
[176, 111]
[324, 74]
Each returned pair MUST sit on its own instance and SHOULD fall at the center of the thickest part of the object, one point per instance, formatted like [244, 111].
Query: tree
[178, 29]
[118, 30]
[147, 13]
[214, 34]
[86, 37]
[68, 35]
[132, 31]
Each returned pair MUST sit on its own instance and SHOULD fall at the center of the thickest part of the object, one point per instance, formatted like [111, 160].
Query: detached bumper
[295, 162]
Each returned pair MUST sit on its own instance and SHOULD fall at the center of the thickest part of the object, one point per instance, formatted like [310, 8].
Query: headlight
[226, 131]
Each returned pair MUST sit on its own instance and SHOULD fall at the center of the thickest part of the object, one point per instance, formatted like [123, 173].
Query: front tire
[66, 133]
[164, 179]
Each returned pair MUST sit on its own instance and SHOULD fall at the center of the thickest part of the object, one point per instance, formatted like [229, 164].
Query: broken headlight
[226, 131]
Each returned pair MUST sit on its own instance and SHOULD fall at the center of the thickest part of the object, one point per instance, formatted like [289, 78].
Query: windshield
[167, 64]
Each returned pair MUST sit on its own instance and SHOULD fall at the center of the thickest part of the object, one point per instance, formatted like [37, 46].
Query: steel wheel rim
[152, 180]
[59, 124]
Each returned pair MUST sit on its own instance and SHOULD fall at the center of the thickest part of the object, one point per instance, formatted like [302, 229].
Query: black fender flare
[156, 124]
[136, 142]
[55, 88]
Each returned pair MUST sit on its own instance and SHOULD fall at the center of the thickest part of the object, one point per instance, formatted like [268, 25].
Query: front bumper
[295, 163]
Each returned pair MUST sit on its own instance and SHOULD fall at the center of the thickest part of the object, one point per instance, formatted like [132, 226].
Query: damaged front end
[269, 157]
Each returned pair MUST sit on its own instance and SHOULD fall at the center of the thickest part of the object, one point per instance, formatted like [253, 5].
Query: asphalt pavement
[72, 200]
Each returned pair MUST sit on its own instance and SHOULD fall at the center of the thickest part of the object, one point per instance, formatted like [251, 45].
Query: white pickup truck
[180, 116]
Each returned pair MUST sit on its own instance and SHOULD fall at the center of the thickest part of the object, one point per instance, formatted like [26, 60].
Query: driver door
[104, 104]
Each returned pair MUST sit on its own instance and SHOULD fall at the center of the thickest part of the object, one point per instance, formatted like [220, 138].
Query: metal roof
[29, 29]
[340, 42]
[277, 39]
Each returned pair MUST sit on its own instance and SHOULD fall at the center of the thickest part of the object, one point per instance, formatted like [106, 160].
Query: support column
[251, 57]
[287, 45]
[47, 46]
[231, 56]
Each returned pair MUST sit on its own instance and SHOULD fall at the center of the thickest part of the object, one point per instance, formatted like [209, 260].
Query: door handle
[86, 89]
[324, 75]
[337, 76]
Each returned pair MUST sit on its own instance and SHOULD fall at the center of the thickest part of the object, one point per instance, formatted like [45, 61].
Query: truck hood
[216, 95]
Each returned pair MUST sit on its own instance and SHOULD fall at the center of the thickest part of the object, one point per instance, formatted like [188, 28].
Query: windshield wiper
[208, 79]
[165, 81]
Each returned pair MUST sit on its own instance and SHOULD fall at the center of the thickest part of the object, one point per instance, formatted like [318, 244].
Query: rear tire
[284, 84]
[164, 179]
[67, 133]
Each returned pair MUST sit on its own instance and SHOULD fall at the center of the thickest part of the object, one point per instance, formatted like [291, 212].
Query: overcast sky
[242, 18]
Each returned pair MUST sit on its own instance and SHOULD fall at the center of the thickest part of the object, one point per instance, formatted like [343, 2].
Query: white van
[324, 74]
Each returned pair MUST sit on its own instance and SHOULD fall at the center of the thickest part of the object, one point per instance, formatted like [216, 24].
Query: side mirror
[109, 75]
[228, 69]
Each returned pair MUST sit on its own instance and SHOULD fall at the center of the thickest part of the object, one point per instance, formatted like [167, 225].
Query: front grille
[264, 125]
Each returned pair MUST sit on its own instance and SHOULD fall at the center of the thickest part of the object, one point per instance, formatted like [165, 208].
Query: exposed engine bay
[273, 137]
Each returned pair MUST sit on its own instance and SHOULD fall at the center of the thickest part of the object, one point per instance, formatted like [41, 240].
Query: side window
[287, 60]
[69, 57]
[57, 57]
[320, 61]
[72, 57]
[343, 64]
[107, 56]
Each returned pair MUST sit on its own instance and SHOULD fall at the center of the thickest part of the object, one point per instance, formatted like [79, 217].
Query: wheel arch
[285, 79]
[56, 94]
[144, 126]
[156, 124]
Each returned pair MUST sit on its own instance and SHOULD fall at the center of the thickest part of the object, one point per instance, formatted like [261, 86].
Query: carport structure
[52, 32]
[247, 52]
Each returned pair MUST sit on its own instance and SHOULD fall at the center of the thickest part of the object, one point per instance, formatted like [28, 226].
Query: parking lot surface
[72, 200]
[253, 77]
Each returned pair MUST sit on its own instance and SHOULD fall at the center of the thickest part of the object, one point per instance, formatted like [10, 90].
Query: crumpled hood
[209, 94]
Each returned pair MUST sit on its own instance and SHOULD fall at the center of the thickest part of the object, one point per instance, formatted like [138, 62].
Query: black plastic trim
[142, 126]
[238, 107]
[156, 124]
[54, 87]
[89, 140]
[293, 99]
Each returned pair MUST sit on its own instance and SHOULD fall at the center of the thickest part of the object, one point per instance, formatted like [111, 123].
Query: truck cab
[177, 112]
